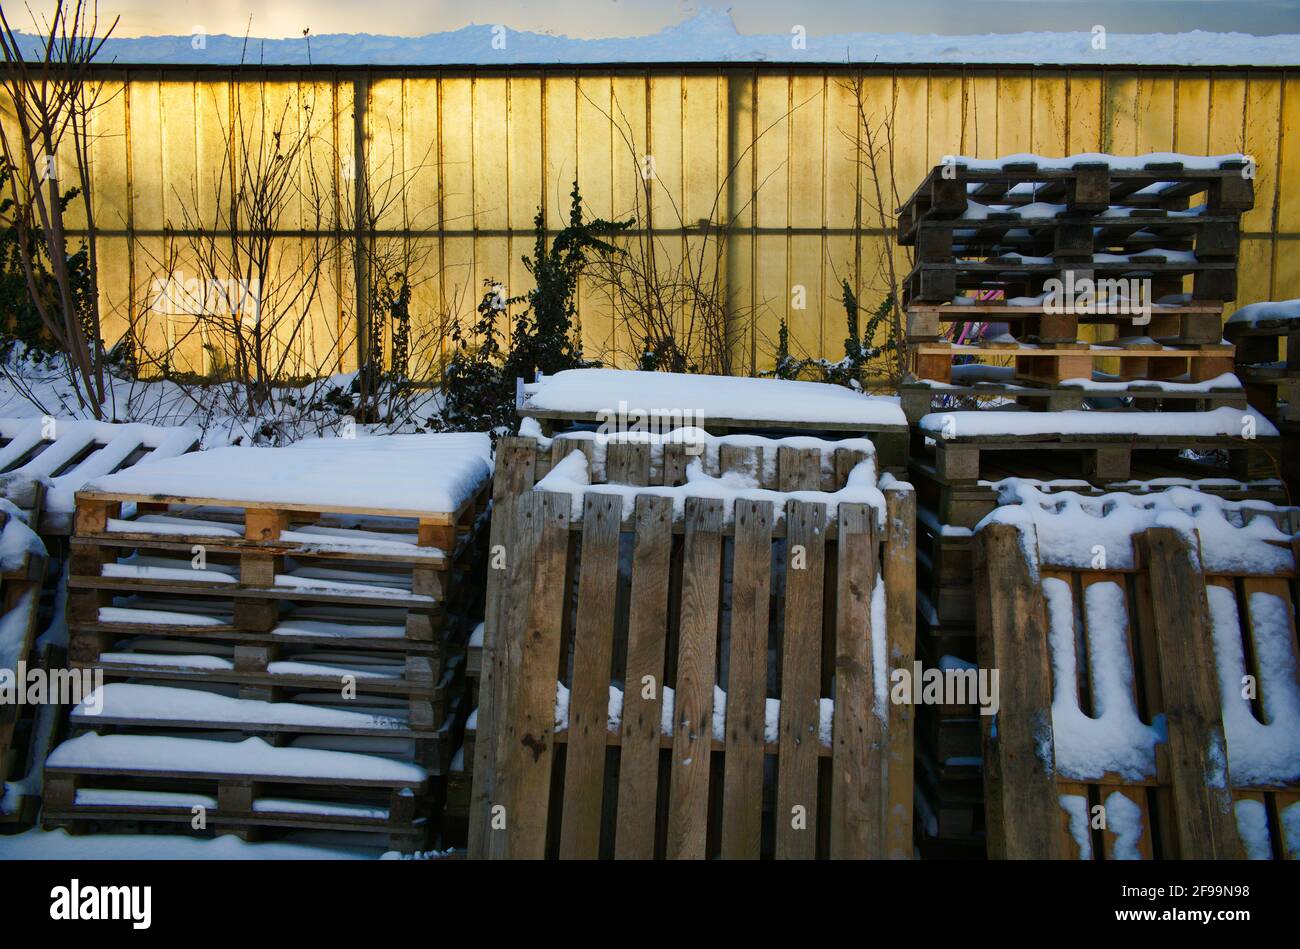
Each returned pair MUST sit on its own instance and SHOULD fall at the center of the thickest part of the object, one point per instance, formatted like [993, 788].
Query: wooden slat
[627, 463]
[532, 644]
[584, 762]
[515, 464]
[1197, 747]
[798, 469]
[796, 794]
[857, 765]
[643, 685]
[899, 569]
[688, 802]
[1020, 792]
[742, 785]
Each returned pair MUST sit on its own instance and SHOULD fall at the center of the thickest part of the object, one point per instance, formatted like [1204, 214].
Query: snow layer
[252, 756]
[406, 473]
[571, 477]
[17, 540]
[1286, 311]
[1075, 529]
[155, 703]
[710, 35]
[1223, 421]
[1252, 826]
[1113, 739]
[1258, 752]
[1114, 162]
[717, 397]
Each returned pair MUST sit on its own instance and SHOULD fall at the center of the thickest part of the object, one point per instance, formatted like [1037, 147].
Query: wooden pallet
[964, 504]
[931, 281]
[38, 453]
[1098, 459]
[20, 593]
[1190, 325]
[1270, 371]
[921, 397]
[1075, 234]
[946, 191]
[241, 801]
[1051, 364]
[1185, 808]
[825, 801]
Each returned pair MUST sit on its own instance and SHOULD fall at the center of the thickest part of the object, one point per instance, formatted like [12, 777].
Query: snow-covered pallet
[44, 461]
[1149, 701]
[963, 447]
[1182, 325]
[22, 572]
[1017, 276]
[1271, 376]
[374, 724]
[624, 400]
[1051, 364]
[1084, 184]
[241, 788]
[920, 397]
[842, 590]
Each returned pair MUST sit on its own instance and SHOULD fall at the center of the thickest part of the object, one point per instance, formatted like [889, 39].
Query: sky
[611, 18]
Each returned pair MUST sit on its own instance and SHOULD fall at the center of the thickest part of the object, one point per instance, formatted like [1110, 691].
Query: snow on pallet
[1107, 444]
[671, 631]
[1137, 662]
[45, 461]
[718, 404]
[1086, 184]
[22, 571]
[1272, 376]
[322, 720]
[238, 787]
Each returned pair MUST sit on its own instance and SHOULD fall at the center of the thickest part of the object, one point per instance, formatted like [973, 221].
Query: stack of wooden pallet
[275, 664]
[1267, 340]
[1122, 230]
[1145, 359]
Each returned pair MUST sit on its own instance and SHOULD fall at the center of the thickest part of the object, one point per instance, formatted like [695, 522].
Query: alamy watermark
[235, 298]
[35, 685]
[658, 426]
[1107, 296]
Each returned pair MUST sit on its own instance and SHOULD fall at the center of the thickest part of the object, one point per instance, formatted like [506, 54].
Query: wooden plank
[800, 721]
[899, 570]
[627, 463]
[1020, 792]
[742, 783]
[516, 463]
[688, 802]
[798, 469]
[584, 762]
[857, 765]
[643, 685]
[532, 643]
[1185, 651]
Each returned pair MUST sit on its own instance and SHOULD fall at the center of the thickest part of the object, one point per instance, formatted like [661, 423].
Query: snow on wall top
[710, 36]
[1225, 421]
[402, 473]
[71, 438]
[1270, 311]
[717, 397]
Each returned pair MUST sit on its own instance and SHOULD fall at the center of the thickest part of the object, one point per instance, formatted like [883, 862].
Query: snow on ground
[716, 397]
[710, 36]
[413, 473]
